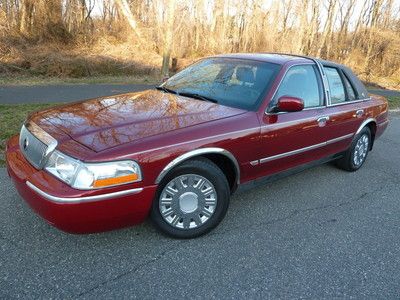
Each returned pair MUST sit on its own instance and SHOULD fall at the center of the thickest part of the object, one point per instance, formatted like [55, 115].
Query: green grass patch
[42, 80]
[11, 118]
[394, 102]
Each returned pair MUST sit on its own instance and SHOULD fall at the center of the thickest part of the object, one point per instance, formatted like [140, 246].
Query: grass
[394, 102]
[42, 80]
[11, 118]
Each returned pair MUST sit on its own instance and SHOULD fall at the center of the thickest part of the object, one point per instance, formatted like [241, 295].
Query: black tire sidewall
[209, 170]
[366, 131]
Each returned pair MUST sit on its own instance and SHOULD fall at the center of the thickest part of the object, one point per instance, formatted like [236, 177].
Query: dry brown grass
[105, 56]
[67, 42]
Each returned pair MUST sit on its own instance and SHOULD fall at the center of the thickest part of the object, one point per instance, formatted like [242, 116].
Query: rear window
[351, 94]
[338, 94]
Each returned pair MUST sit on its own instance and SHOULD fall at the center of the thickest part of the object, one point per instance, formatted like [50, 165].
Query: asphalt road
[64, 93]
[385, 93]
[323, 233]
[73, 92]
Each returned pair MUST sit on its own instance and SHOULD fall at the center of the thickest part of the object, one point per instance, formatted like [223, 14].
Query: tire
[191, 200]
[356, 155]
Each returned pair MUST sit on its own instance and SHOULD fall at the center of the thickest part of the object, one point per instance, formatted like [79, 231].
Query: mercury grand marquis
[179, 151]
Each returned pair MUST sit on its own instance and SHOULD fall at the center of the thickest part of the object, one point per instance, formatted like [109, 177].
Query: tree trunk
[324, 44]
[168, 40]
[371, 37]
[25, 16]
[124, 8]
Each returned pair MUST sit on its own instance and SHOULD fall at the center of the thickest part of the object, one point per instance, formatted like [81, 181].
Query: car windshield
[232, 82]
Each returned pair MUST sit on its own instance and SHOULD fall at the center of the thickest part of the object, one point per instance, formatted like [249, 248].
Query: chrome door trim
[349, 102]
[287, 112]
[199, 152]
[56, 199]
[305, 149]
[290, 153]
[340, 138]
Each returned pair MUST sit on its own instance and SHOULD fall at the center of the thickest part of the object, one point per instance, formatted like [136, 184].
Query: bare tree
[375, 14]
[168, 40]
[123, 6]
[361, 33]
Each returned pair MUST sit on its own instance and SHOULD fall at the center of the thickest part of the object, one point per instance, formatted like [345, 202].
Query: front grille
[33, 149]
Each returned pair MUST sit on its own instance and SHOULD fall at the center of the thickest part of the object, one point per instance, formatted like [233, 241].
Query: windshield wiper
[198, 96]
[167, 90]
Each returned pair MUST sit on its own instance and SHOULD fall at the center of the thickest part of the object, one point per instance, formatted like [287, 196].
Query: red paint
[153, 128]
[290, 104]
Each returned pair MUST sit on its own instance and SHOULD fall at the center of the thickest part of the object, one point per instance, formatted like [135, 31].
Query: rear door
[345, 112]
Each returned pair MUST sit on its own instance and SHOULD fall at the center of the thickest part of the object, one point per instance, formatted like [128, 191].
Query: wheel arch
[371, 124]
[224, 159]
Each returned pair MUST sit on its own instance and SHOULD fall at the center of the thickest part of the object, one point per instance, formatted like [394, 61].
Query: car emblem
[26, 144]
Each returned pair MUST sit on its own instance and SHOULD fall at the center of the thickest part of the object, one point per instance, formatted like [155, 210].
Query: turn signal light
[114, 181]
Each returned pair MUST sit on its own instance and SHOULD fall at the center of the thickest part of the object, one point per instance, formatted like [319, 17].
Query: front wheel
[191, 200]
[356, 155]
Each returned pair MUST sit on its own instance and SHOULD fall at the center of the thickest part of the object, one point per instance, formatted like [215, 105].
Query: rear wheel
[191, 200]
[356, 155]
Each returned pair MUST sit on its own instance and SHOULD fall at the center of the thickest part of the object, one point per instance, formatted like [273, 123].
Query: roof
[277, 58]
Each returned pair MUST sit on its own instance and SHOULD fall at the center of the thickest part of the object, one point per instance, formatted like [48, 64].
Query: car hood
[103, 123]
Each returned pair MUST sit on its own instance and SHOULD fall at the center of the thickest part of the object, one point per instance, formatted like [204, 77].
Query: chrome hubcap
[188, 201]
[361, 150]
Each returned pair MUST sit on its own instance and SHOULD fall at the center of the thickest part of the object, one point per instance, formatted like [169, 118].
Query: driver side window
[301, 82]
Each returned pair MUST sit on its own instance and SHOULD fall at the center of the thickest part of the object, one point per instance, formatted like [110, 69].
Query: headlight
[62, 166]
[86, 176]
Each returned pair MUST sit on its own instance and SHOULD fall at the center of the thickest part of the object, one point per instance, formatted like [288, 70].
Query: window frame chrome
[325, 85]
[340, 71]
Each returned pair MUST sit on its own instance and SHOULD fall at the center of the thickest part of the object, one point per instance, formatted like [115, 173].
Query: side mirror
[289, 104]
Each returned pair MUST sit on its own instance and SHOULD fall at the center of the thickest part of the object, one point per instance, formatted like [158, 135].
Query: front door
[289, 139]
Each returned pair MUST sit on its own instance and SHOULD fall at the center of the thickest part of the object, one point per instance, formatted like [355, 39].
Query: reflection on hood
[108, 122]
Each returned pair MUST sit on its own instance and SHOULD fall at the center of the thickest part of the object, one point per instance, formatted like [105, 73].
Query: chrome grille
[36, 150]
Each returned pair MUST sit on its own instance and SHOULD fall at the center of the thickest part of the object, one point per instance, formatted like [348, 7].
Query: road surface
[323, 233]
[73, 92]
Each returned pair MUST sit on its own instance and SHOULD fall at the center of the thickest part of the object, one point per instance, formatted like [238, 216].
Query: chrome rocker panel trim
[301, 150]
[56, 199]
[199, 152]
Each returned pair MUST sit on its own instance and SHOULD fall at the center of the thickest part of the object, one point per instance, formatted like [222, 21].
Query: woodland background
[86, 38]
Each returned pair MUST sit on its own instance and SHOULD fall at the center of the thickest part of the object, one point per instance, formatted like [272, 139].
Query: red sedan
[178, 152]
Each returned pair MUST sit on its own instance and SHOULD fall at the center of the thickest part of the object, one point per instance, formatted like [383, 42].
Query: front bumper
[73, 210]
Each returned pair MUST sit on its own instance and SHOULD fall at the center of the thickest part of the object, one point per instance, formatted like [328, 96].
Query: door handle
[359, 113]
[322, 121]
